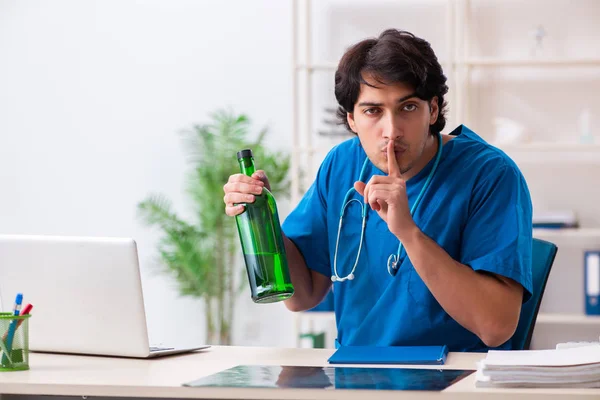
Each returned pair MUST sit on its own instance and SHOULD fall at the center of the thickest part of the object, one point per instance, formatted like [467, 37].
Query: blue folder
[424, 355]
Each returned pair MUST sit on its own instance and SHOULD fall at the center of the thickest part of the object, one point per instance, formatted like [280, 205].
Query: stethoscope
[392, 263]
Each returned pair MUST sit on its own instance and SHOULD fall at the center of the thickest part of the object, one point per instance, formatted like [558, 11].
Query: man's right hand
[241, 188]
[310, 287]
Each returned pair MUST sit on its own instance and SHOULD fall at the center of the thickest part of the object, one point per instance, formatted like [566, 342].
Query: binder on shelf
[592, 282]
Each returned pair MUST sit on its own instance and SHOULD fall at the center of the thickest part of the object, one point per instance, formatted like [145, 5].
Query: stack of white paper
[577, 367]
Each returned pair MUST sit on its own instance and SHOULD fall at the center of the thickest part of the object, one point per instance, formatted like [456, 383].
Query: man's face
[392, 112]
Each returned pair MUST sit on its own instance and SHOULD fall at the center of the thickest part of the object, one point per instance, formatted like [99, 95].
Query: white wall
[92, 95]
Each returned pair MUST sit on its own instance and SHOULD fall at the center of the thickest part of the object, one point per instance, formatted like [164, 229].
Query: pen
[26, 310]
[4, 351]
[12, 327]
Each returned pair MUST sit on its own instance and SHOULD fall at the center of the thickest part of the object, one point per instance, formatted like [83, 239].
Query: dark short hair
[395, 56]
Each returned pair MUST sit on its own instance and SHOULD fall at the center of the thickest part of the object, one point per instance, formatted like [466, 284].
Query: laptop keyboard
[155, 348]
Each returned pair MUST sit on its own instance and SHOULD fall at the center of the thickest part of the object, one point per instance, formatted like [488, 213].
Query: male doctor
[440, 253]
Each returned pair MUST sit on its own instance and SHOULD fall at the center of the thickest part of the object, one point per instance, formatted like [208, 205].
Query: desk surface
[68, 375]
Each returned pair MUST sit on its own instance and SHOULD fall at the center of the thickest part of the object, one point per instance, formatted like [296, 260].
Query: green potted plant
[202, 254]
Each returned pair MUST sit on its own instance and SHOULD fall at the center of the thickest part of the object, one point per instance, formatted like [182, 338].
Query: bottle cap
[244, 153]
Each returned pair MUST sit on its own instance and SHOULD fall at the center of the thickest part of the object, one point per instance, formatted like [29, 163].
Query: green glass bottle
[262, 243]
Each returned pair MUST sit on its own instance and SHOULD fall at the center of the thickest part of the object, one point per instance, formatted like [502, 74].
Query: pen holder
[14, 342]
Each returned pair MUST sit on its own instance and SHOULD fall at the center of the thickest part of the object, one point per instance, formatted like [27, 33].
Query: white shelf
[570, 319]
[551, 146]
[308, 150]
[569, 152]
[557, 62]
[327, 66]
[566, 233]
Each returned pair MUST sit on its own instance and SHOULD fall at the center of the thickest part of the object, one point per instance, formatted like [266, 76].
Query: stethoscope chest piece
[392, 264]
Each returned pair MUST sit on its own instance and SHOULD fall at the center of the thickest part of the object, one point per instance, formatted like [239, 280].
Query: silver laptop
[86, 294]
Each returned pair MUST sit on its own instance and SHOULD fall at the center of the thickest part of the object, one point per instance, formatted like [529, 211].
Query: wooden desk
[65, 375]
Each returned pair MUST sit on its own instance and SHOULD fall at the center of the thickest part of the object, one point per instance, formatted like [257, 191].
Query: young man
[443, 252]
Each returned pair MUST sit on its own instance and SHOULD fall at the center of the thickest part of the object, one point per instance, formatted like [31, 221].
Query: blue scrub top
[477, 207]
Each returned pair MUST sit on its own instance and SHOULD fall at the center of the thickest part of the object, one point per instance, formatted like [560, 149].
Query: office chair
[542, 258]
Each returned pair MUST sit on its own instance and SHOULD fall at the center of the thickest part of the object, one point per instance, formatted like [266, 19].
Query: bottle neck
[247, 165]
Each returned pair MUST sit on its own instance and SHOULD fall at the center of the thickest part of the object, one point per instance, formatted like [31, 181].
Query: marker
[26, 310]
[12, 327]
